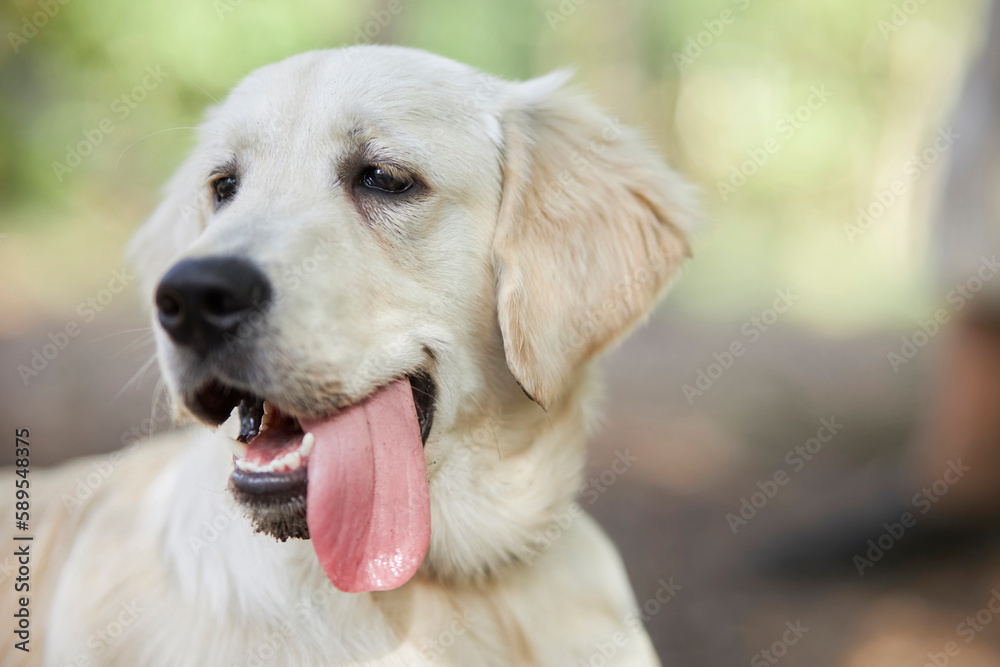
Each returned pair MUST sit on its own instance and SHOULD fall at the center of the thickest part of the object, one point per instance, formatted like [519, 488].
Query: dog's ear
[592, 225]
[173, 226]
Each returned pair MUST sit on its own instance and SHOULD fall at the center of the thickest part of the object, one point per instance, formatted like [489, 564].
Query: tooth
[239, 448]
[308, 440]
[247, 466]
[268, 408]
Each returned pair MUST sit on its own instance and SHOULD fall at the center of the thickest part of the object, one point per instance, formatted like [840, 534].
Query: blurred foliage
[891, 89]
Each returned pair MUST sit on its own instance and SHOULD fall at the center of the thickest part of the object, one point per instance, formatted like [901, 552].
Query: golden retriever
[384, 276]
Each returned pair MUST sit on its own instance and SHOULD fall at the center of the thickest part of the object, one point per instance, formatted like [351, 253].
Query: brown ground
[668, 511]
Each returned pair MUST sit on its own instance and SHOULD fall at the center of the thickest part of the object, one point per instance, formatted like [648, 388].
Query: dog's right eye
[223, 189]
[384, 180]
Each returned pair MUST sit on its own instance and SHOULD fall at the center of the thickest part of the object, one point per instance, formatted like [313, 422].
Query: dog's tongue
[368, 507]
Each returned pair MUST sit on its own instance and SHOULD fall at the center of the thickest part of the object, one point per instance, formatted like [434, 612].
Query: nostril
[168, 302]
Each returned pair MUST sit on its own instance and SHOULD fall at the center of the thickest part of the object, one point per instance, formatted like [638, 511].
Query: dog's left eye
[377, 178]
[224, 188]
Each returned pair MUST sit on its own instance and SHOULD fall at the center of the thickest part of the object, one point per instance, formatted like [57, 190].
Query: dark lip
[268, 488]
[275, 502]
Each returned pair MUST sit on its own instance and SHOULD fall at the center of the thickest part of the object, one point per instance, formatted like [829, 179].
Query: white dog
[387, 275]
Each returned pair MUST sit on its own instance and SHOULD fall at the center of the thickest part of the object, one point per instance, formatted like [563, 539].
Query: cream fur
[546, 233]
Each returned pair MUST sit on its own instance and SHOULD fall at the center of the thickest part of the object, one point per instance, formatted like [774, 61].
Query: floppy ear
[173, 226]
[590, 230]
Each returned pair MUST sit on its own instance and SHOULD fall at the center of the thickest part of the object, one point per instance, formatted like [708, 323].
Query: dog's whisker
[192, 83]
[119, 333]
[135, 378]
[421, 391]
[151, 134]
[139, 342]
[492, 430]
[158, 390]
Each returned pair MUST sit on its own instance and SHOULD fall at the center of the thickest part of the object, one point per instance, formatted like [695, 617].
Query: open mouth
[273, 441]
[354, 482]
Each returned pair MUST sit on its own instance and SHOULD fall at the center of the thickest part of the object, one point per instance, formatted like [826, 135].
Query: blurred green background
[889, 92]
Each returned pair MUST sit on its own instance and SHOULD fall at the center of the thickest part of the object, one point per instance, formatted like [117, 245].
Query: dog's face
[391, 266]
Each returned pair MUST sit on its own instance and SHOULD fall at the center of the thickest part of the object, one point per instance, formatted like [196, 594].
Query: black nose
[201, 300]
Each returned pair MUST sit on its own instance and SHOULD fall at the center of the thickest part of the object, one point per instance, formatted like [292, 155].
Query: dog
[378, 286]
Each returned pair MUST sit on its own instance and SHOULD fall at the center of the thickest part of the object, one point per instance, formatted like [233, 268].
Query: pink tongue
[368, 507]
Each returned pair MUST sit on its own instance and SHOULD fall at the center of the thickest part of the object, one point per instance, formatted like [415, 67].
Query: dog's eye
[224, 188]
[377, 178]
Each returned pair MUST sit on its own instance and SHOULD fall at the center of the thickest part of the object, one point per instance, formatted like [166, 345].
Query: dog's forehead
[366, 89]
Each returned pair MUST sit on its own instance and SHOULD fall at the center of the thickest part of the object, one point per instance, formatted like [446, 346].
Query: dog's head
[396, 269]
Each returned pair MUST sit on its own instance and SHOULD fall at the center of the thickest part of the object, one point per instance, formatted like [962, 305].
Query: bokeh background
[723, 87]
